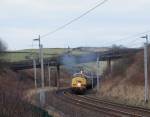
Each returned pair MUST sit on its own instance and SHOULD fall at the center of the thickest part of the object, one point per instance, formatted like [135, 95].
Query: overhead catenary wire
[130, 39]
[85, 13]
[125, 38]
[134, 43]
[133, 39]
[75, 19]
[136, 40]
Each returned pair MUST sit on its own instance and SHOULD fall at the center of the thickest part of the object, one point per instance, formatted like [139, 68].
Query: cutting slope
[126, 81]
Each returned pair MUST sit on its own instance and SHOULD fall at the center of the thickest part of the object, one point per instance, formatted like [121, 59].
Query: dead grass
[127, 88]
[12, 88]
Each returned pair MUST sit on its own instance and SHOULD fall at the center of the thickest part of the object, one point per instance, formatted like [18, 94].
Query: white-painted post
[35, 76]
[146, 94]
[42, 97]
[146, 72]
[42, 92]
[97, 74]
[49, 75]
[42, 65]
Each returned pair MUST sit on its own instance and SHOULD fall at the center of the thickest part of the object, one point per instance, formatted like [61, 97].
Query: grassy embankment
[125, 83]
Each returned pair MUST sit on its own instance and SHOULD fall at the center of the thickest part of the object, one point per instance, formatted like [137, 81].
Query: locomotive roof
[80, 74]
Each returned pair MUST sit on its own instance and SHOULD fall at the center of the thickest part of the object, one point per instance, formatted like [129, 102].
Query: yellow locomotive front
[78, 84]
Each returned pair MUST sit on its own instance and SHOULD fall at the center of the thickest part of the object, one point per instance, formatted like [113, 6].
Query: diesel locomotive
[80, 83]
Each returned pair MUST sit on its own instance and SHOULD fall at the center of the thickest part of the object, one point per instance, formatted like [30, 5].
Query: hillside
[13, 89]
[91, 49]
[25, 54]
[126, 81]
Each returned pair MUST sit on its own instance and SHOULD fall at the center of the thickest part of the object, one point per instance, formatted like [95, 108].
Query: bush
[119, 66]
[3, 48]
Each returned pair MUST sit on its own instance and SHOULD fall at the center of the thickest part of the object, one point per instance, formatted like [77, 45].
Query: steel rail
[94, 106]
[117, 111]
[98, 100]
[79, 103]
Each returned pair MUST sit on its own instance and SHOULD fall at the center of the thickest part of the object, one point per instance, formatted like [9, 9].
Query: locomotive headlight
[79, 84]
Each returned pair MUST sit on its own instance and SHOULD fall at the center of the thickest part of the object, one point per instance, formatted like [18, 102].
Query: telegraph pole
[145, 68]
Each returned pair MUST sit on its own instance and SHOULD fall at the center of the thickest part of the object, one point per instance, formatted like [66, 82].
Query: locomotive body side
[89, 83]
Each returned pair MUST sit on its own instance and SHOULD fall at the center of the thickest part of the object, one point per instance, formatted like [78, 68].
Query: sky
[120, 22]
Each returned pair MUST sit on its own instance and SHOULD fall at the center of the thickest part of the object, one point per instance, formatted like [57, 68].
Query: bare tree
[3, 48]
[117, 47]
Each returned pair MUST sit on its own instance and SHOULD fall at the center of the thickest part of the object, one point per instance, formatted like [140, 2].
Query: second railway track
[102, 107]
[132, 109]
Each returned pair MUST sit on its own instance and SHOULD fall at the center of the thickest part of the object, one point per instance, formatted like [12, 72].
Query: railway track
[103, 108]
[132, 109]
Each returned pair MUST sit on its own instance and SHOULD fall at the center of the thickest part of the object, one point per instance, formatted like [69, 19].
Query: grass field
[21, 55]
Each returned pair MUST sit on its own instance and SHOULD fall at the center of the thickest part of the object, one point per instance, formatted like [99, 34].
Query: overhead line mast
[146, 69]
